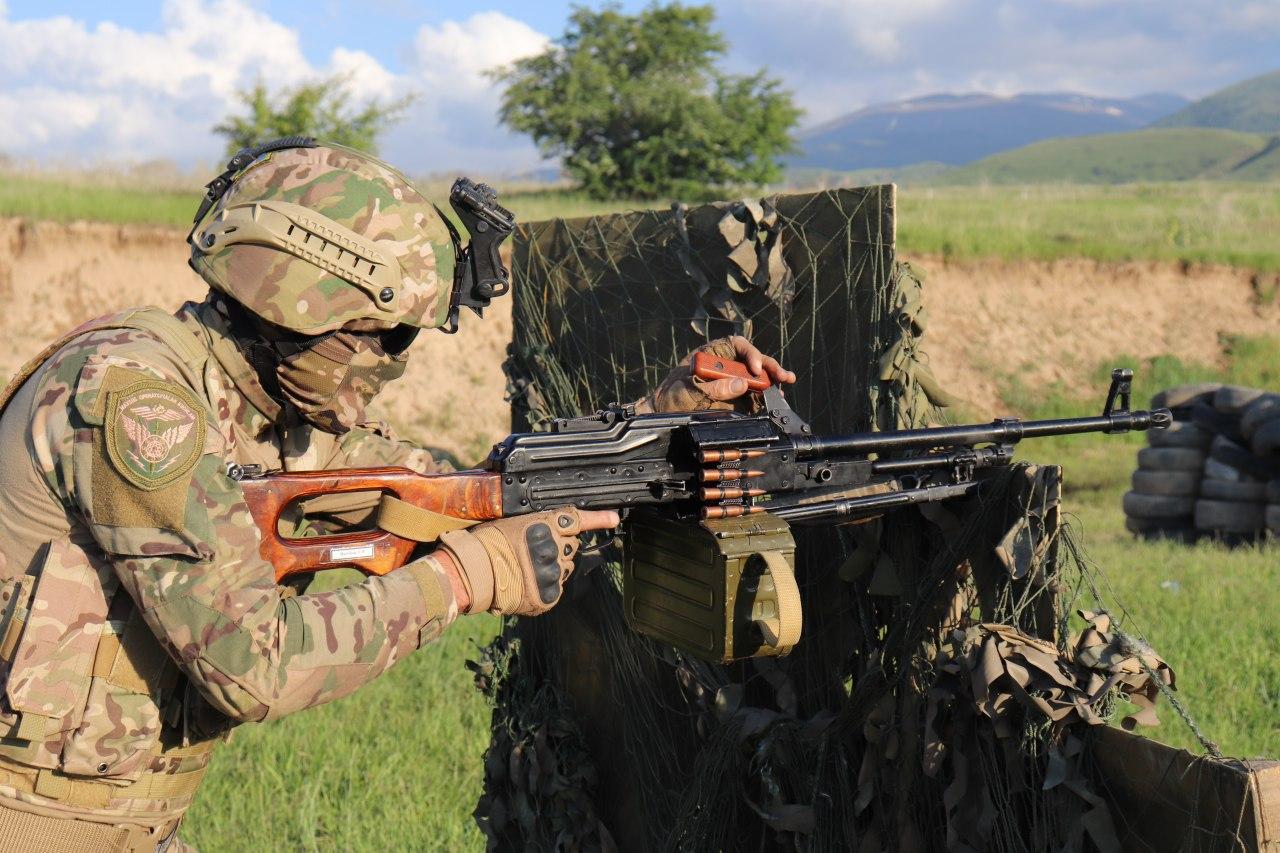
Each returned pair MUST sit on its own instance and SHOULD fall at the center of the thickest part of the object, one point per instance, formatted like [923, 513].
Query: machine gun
[706, 497]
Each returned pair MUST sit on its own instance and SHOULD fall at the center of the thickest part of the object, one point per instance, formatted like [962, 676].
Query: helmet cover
[319, 238]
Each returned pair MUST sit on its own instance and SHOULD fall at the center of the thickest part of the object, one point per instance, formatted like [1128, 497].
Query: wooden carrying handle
[709, 367]
[472, 495]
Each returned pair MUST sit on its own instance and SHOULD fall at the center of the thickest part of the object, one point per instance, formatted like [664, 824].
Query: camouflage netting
[934, 701]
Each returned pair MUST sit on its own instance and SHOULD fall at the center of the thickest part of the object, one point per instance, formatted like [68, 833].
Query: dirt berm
[989, 320]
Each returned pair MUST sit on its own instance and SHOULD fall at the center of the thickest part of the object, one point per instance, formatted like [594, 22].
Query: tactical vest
[72, 776]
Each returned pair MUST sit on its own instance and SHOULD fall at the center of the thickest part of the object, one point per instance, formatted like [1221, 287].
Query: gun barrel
[1007, 431]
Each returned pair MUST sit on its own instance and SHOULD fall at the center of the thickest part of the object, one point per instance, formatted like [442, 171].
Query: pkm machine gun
[707, 500]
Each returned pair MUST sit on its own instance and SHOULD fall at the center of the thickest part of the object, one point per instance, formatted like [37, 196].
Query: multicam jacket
[137, 618]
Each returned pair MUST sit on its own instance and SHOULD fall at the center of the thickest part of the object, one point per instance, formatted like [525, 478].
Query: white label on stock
[350, 552]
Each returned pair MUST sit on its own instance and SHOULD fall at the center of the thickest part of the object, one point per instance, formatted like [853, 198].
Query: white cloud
[1253, 17]
[872, 26]
[457, 54]
[108, 93]
[839, 55]
[71, 91]
[453, 123]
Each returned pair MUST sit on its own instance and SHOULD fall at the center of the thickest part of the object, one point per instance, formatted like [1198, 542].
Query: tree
[635, 106]
[322, 109]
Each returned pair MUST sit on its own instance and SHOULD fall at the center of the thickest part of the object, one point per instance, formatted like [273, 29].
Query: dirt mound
[989, 320]
[1056, 321]
[55, 276]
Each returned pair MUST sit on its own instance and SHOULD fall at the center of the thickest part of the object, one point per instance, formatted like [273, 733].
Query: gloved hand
[518, 566]
[681, 391]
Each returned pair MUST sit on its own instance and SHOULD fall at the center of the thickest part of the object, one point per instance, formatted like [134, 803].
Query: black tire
[1257, 413]
[1224, 490]
[1272, 517]
[1159, 531]
[1215, 470]
[1230, 517]
[1273, 492]
[1266, 440]
[1177, 484]
[1185, 395]
[1170, 459]
[1217, 422]
[1232, 453]
[1244, 459]
[1180, 434]
[1232, 399]
[1138, 505]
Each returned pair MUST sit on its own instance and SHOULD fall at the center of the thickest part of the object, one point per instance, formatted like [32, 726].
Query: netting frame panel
[603, 307]
[570, 275]
[572, 284]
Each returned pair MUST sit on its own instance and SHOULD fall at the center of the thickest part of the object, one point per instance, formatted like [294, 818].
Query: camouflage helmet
[314, 237]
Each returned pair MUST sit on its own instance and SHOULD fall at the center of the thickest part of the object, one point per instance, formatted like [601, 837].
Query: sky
[83, 83]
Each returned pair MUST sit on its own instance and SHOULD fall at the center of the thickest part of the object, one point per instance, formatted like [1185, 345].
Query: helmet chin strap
[261, 343]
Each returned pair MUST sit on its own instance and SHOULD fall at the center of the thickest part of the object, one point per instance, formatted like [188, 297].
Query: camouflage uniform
[138, 621]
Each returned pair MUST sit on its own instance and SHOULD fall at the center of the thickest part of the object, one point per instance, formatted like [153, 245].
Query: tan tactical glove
[682, 391]
[516, 566]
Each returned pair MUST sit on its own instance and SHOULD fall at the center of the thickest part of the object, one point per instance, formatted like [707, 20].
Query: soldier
[138, 621]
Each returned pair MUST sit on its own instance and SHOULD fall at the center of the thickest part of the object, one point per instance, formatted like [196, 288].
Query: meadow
[398, 764]
[1191, 222]
[1208, 609]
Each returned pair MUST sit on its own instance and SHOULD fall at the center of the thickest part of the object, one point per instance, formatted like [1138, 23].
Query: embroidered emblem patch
[155, 432]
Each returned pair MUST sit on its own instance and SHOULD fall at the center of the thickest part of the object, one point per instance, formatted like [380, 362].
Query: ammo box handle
[782, 631]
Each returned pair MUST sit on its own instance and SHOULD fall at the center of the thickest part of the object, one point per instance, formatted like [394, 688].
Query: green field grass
[1234, 224]
[394, 766]
[1211, 222]
[61, 200]
[1209, 610]
[1160, 154]
[66, 200]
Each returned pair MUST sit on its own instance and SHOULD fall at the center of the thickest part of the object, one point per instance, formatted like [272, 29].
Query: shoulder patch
[154, 432]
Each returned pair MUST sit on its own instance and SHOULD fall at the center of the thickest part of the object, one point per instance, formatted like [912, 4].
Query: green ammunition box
[721, 590]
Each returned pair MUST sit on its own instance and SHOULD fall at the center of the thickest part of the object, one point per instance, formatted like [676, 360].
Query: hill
[1164, 154]
[956, 129]
[1252, 106]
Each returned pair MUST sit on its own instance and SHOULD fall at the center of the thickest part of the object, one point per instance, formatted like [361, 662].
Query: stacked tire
[1215, 472]
[1260, 426]
[1233, 494]
[1166, 486]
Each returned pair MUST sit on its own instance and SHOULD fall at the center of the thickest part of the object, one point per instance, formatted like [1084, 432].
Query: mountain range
[1231, 134]
[958, 129]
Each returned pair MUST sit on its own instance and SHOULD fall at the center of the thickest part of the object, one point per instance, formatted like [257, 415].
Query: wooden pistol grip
[474, 495]
[709, 367]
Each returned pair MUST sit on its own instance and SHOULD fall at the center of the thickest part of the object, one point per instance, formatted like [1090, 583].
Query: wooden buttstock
[474, 495]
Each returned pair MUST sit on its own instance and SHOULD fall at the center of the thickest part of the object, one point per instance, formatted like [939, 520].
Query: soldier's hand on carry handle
[727, 390]
[683, 391]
